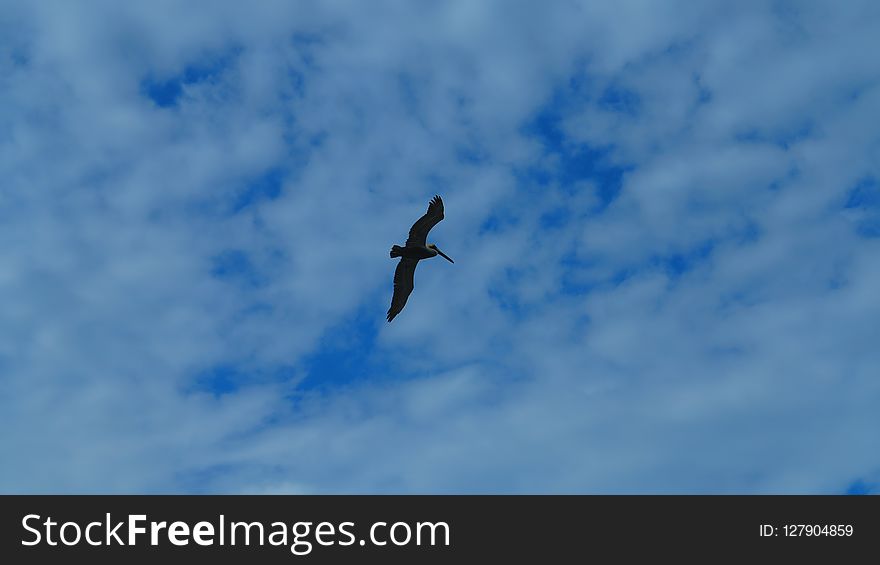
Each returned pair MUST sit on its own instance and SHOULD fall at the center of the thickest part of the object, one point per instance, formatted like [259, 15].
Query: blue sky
[665, 218]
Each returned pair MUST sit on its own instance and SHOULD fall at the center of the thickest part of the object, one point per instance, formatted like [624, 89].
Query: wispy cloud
[664, 220]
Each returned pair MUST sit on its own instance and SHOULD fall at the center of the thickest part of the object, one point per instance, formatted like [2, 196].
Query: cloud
[663, 218]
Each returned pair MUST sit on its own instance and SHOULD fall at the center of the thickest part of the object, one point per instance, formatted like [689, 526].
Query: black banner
[407, 529]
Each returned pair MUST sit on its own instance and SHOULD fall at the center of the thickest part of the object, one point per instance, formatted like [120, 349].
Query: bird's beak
[444, 255]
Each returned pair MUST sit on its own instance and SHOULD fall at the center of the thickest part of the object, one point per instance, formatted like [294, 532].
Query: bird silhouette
[415, 249]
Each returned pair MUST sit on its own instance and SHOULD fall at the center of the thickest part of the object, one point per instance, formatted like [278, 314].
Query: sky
[664, 216]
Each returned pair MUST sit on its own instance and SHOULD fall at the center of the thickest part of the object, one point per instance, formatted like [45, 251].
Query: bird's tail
[396, 251]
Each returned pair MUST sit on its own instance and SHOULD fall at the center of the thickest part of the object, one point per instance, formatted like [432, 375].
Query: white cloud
[710, 331]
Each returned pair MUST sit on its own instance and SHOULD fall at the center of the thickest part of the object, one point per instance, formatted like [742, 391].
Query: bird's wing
[418, 233]
[403, 285]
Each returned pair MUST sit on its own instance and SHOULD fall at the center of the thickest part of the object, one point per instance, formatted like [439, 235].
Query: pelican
[415, 250]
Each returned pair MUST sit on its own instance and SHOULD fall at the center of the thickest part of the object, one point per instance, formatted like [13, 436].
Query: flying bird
[415, 250]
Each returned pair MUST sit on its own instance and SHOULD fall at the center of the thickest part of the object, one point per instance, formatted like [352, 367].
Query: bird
[415, 249]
